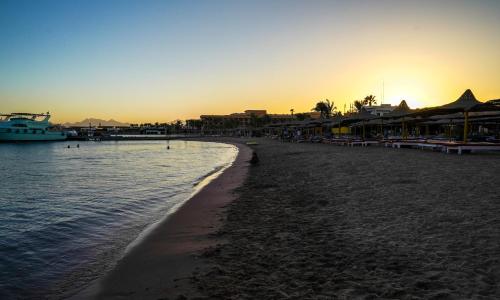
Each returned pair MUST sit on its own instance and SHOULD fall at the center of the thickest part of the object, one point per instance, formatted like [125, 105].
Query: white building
[379, 110]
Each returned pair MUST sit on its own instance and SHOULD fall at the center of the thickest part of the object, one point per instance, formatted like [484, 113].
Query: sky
[141, 61]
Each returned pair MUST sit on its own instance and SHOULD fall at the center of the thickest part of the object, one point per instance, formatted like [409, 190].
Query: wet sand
[316, 221]
[161, 265]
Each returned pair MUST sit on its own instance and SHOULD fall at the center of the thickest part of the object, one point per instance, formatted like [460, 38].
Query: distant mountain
[96, 122]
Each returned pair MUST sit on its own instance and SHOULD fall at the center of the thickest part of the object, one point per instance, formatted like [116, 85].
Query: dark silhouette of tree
[369, 100]
[358, 105]
[192, 124]
[320, 107]
[326, 108]
[177, 125]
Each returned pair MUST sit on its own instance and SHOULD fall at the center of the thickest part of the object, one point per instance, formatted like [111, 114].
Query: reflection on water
[66, 215]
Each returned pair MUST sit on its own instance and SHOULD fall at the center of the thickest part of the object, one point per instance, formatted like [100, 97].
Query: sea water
[68, 214]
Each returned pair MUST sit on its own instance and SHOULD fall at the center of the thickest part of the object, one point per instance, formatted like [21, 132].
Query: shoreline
[161, 261]
[316, 221]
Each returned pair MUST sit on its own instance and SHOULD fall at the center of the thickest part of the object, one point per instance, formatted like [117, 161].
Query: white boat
[29, 127]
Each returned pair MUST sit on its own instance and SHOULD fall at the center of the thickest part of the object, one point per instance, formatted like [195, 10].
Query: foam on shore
[161, 260]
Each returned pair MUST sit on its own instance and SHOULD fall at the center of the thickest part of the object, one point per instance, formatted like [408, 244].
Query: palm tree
[330, 108]
[320, 107]
[358, 105]
[369, 100]
[326, 108]
[291, 111]
[177, 125]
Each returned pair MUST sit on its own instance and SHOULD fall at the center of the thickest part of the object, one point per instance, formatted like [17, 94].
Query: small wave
[213, 171]
[77, 218]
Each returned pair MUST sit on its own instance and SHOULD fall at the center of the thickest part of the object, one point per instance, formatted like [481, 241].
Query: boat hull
[47, 136]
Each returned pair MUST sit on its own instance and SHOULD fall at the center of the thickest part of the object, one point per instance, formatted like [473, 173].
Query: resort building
[379, 110]
[246, 119]
[495, 102]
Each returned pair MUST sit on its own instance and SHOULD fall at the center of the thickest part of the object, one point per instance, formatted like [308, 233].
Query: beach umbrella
[465, 104]
[489, 106]
[361, 117]
[337, 121]
[399, 113]
[363, 114]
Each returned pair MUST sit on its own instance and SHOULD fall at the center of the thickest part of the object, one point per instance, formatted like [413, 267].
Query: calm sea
[67, 215]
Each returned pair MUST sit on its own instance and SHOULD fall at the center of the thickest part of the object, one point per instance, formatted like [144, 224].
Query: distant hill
[96, 122]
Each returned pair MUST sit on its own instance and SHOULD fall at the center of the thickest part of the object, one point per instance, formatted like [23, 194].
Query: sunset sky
[138, 61]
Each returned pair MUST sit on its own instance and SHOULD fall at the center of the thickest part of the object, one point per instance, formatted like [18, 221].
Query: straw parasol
[399, 113]
[362, 116]
[465, 104]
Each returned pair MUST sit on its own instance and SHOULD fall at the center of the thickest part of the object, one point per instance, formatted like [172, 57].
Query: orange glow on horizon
[221, 61]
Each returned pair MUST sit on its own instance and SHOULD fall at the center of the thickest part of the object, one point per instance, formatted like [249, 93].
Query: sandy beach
[162, 263]
[317, 221]
[250, 150]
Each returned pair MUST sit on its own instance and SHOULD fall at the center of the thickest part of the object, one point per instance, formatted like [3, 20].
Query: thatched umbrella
[400, 112]
[466, 103]
[362, 116]
[337, 121]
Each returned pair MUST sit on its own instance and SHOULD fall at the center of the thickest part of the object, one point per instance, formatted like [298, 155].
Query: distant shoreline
[138, 137]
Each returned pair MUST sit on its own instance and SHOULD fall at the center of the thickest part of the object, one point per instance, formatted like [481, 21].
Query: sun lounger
[362, 143]
[424, 146]
[407, 144]
[339, 141]
[479, 147]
